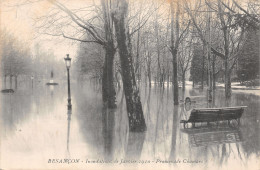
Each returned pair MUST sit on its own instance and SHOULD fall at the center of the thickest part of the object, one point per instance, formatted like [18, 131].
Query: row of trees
[109, 29]
[15, 58]
[153, 38]
[248, 61]
[232, 27]
[245, 69]
[20, 63]
[213, 33]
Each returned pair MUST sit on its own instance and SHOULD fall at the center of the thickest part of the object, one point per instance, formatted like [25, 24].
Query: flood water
[37, 128]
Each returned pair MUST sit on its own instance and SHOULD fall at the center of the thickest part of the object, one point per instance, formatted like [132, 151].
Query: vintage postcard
[130, 84]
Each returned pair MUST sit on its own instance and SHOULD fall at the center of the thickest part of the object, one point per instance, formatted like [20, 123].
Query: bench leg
[193, 125]
[228, 122]
[207, 123]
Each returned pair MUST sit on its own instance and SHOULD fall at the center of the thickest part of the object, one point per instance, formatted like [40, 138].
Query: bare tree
[60, 20]
[176, 39]
[230, 37]
[185, 59]
[133, 103]
[15, 59]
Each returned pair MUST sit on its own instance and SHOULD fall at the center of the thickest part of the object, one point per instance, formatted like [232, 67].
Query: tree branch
[214, 51]
[255, 19]
[74, 18]
[89, 41]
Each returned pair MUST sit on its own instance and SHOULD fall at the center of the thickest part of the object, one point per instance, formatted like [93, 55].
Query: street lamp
[68, 64]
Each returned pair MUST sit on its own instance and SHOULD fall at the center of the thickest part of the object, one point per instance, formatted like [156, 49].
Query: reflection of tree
[249, 123]
[135, 145]
[16, 109]
[21, 106]
[108, 122]
[121, 106]
[250, 126]
[174, 133]
[167, 101]
[223, 157]
[239, 153]
[158, 116]
[148, 105]
[89, 117]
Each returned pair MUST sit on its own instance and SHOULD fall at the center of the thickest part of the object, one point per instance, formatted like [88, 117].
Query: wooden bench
[214, 115]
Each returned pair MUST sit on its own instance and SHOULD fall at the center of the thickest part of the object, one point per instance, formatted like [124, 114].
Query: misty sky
[19, 22]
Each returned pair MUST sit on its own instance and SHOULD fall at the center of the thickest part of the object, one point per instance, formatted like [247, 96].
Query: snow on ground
[236, 87]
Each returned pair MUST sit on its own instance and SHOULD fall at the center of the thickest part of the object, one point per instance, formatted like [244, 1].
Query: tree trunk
[140, 74]
[174, 77]
[183, 81]
[209, 80]
[202, 75]
[163, 77]
[227, 80]
[209, 59]
[133, 102]
[108, 89]
[149, 75]
[207, 75]
[174, 50]
[137, 55]
[145, 79]
[226, 33]
[168, 76]
[158, 56]
[213, 72]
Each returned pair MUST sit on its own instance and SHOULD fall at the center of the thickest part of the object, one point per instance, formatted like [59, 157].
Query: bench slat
[215, 114]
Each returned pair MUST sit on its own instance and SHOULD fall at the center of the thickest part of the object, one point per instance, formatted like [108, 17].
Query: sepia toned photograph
[130, 84]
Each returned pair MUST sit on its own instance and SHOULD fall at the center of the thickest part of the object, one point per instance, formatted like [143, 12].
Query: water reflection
[134, 145]
[211, 136]
[118, 141]
[108, 122]
[69, 112]
[33, 122]
[175, 128]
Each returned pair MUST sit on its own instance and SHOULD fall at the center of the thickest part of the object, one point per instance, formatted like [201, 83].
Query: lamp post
[68, 64]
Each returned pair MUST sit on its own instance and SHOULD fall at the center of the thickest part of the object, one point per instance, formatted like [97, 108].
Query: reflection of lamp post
[68, 64]
[32, 80]
[68, 131]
